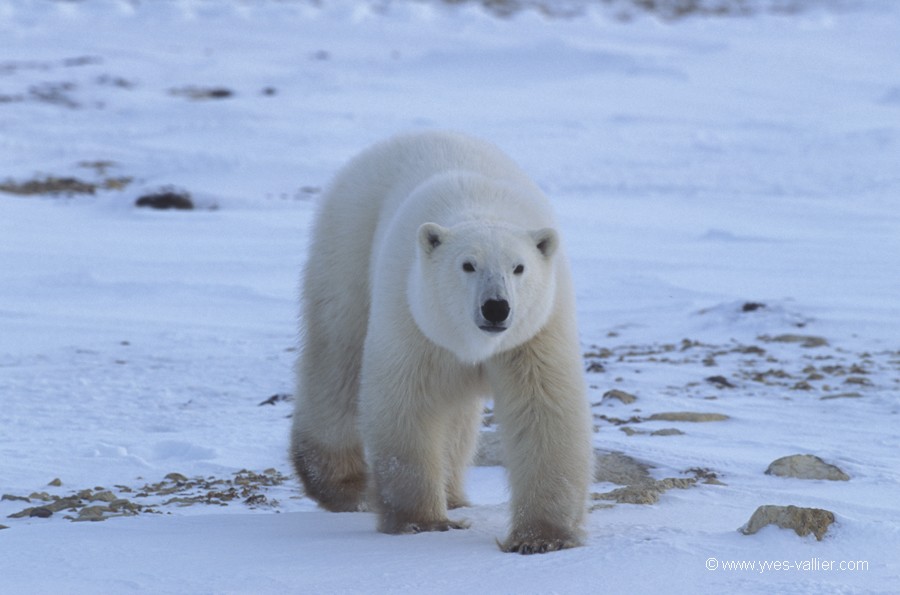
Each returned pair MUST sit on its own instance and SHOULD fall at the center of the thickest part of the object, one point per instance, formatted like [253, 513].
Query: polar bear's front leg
[405, 437]
[545, 425]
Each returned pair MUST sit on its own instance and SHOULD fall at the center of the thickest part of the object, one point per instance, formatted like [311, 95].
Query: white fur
[436, 277]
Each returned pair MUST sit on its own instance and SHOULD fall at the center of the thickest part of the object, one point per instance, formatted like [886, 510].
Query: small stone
[629, 431]
[720, 382]
[106, 496]
[631, 495]
[277, 398]
[802, 520]
[70, 503]
[620, 469]
[41, 512]
[595, 367]
[256, 500]
[687, 416]
[13, 498]
[807, 341]
[620, 395]
[122, 504]
[49, 186]
[202, 93]
[55, 483]
[805, 467]
[841, 396]
[183, 501]
[646, 493]
[752, 306]
[93, 513]
[667, 432]
[177, 477]
[40, 496]
[167, 199]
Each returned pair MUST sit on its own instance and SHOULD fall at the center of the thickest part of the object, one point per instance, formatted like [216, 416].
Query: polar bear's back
[374, 183]
[367, 191]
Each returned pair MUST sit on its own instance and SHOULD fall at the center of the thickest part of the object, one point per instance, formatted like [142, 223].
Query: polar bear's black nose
[495, 311]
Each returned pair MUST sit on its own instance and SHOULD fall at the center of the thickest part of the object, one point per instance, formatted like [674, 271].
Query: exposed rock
[166, 199]
[645, 493]
[49, 186]
[707, 475]
[617, 421]
[667, 432]
[278, 398]
[720, 382]
[21, 514]
[620, 469]
[70, 503]
[806, 467]
[594, 367]
[752, 306]
[802, 520]
[621, 395]
[197, 93]
[92, 513]
[841, 396]
[55, 483]
[804, 340]
[245, 486]
[124, 505]
[687, 416]
[104, 496]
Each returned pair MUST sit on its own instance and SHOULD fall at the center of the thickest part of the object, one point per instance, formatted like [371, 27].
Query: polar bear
[436, 277]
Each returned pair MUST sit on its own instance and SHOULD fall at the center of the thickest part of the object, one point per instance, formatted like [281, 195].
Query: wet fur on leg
[335, 480]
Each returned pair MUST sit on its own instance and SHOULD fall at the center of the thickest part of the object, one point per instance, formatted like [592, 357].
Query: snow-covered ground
[697, 165]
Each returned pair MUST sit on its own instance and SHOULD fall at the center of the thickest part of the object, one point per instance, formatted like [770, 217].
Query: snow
[695, 164]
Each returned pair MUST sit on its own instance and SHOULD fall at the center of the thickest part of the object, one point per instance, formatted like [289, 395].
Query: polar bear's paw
[442, 525]
[410, 527]
[534, 542]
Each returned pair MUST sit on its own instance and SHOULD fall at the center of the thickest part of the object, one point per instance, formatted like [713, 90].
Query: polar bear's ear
[431, 235]
[546, 240]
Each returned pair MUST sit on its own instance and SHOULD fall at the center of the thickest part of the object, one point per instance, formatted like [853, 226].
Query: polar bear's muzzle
[494, 314]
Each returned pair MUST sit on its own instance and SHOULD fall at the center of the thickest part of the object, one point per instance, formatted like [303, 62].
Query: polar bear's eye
[519, 269]
[468, 267]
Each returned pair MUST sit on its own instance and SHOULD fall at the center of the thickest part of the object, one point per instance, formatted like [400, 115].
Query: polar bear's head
[478, 289]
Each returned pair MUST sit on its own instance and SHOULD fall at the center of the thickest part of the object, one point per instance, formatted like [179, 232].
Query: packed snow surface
[728, 188]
